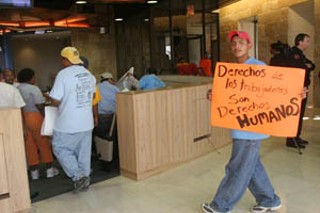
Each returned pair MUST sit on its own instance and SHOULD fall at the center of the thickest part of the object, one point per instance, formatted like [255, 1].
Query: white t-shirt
[74, 88]
[10, 96]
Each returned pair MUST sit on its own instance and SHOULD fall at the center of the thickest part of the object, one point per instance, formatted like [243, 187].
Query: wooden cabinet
[161, 129]
[14, 186]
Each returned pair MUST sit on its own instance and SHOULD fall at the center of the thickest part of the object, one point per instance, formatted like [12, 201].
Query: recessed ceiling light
[152, 2]
[39, 32]
[81, 2]
[118, 19]
[146, 20]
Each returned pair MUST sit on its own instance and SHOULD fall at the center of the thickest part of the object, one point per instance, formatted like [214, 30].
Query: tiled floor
[295, 177]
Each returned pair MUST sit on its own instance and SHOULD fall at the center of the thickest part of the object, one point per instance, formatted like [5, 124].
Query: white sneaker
[35, 174]
[261, 209]
[206, 208]
[51, 172]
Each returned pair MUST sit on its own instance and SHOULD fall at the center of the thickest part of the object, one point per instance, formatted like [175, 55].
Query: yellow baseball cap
[72, 54]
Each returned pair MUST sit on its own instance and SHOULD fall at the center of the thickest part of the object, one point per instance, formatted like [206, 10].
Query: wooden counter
[164, 128]
[14, 186]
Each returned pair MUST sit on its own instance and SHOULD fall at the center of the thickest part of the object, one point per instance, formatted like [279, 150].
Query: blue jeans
[243, 171]
[73, 151]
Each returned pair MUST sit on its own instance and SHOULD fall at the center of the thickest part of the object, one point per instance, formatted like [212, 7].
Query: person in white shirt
[10, 96]
[72, 93]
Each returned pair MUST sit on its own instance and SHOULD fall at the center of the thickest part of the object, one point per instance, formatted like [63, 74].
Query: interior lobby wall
[41, 55]
[272, 19]
[98, 46]
[99, 49]
[273, 24]
[316, 53]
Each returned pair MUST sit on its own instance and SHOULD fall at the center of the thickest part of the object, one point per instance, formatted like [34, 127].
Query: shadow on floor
[45, 188]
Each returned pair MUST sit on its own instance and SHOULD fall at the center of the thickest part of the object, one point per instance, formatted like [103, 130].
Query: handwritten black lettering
[251, 106]
[275, 115]
[231, 83]
[260, 90]
[250, 72]
[277, 75]
[234, 100]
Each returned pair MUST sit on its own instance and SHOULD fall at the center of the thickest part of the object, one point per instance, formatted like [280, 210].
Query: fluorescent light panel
[81, 2]
[152, 2]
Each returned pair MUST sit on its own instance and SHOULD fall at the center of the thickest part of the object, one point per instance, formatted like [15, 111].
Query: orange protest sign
[263, 99]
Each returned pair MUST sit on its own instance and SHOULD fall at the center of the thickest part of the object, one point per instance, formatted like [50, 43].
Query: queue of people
[29, 98]
[82, 106]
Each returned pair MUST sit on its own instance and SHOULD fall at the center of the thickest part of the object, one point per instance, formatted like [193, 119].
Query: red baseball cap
[240, 34]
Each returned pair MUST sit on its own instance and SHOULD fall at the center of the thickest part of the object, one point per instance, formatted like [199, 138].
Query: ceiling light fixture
[152, 2]
[81, 2]
[118, 19]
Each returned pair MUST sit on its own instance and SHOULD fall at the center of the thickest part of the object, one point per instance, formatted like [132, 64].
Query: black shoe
[301, 141]
[81, 185]
[291, 143]
[34, 195]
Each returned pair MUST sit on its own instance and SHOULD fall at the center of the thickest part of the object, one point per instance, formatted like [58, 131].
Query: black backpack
[283, 56]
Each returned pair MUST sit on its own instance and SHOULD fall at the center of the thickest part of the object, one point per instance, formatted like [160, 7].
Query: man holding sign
[244, 169]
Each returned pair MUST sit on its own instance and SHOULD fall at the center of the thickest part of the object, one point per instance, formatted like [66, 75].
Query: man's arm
[55, 102]
[209, 94]
[95, 114]
[40, 107]
[311, 66]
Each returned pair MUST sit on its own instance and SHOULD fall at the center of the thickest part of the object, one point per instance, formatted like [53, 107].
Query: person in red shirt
[206, 65]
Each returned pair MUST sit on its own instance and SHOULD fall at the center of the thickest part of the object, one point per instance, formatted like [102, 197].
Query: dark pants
[303, 109]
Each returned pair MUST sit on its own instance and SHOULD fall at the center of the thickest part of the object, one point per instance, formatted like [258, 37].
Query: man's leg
[241, 167]
[84, 153]
[301, 143]
[262, 189]
[64, 146]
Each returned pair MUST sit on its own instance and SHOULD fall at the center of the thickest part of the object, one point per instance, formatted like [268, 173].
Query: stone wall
[98, 48]
[272, 19]
[316, 88]
[273, 24]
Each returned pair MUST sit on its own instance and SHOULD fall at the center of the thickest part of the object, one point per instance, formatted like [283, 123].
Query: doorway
[250, 25]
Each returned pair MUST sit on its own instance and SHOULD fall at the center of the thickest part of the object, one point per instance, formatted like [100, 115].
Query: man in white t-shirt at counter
[72, 93]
